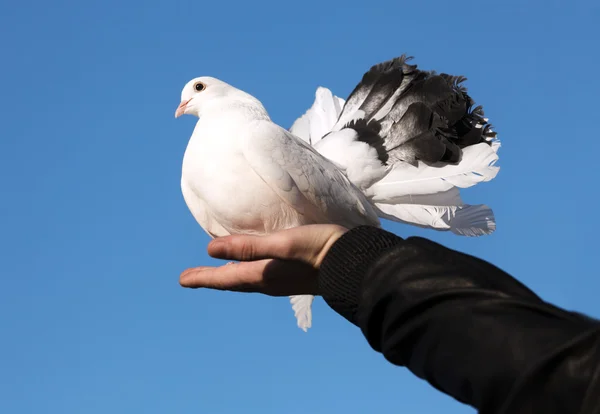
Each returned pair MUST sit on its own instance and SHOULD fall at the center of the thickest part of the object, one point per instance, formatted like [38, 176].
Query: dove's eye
[199, 87]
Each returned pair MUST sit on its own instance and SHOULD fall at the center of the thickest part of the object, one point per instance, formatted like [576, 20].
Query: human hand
[280, 264]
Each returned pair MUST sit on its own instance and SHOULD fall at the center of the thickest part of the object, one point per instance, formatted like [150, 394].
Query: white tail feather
[320, 118]
[466, 220]
[302, 306]
[476, 165]
[450, 197]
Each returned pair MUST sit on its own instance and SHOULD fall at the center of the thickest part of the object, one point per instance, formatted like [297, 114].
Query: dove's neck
[223, 121]
[239, 107]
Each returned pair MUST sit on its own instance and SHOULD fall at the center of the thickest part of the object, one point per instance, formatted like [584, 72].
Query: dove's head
[203, 92]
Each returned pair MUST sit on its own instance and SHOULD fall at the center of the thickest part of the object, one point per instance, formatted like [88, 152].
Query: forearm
[465, 326]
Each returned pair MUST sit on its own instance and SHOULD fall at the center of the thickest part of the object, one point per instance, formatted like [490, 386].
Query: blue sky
[94, 231]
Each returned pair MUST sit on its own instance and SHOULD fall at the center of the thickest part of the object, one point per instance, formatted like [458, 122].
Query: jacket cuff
[347, 263]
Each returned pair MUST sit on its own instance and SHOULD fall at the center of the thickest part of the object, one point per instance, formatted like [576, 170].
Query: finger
[239, 277]
[249, 248]
[271, 277]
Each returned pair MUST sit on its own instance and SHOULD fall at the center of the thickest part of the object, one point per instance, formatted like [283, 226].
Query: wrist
[346, 264]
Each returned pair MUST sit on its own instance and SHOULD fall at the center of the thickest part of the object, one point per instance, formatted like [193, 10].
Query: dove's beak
[181, 108]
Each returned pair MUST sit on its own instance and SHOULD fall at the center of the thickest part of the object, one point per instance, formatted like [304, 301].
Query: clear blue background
[94, 231]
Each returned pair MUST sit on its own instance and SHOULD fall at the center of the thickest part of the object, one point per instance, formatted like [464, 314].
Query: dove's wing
[304, 179]
[307, 182]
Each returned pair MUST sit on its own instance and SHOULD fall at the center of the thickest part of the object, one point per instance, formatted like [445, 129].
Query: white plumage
[243, 174]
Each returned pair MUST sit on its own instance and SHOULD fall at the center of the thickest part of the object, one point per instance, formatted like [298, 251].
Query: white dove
[399, 148]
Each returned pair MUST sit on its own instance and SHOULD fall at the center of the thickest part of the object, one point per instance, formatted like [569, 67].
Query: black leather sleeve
[465, 326]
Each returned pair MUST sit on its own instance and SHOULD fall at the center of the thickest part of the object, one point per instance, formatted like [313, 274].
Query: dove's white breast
[220, 185]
